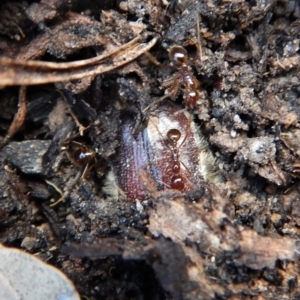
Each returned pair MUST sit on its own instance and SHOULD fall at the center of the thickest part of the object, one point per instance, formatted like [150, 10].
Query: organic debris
[87, 67]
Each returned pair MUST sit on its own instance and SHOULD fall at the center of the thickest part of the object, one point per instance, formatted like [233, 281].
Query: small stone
[29, 242]
[27, 155]
[233, 134]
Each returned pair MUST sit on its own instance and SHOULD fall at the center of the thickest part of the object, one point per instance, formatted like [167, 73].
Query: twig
[22, 72]
[19, 117]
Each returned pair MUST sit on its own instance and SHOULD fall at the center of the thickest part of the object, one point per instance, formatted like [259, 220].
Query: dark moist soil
[236, 240]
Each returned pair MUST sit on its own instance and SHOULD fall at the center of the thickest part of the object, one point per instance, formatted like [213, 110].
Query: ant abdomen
[191, 98]
[177, 183]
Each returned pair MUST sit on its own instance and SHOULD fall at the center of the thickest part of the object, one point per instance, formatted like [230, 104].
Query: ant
[173, 171]
[174, 136]
[182, 78]
[79, 154]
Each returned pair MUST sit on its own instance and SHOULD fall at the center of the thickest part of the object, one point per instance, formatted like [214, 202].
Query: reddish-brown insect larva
[170, 153]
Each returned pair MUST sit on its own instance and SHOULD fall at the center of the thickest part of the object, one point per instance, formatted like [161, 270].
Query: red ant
[182, 78]
[176, 179]
[172, 172]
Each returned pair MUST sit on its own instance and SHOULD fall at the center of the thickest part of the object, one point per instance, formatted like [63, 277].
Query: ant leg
[81, 128]
[86, 170]
[169, 166]
[168, 82]
[161, 136]
[66, 142]
[155, 61]
[172, 87]
[186, 168]
[183, 141]
[173, 83]
[188, 131]
[187, 175]
[172, 94]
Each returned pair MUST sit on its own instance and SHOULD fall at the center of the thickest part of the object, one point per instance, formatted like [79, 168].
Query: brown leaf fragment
[226, 142]
[76, 32]
[274, 108]
[177, 221]
[272, 173]
[215, 236]
[259, 251]
[41, 12]
[291, 140]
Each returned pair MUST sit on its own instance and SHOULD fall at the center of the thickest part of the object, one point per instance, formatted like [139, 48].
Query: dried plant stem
[22, 72]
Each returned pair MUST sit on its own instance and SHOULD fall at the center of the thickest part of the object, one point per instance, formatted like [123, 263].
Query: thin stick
[21, 72]
[19, 117]
[198, 37]
[81, 128]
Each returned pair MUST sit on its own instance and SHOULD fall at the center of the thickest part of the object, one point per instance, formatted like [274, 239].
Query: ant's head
[178, 55]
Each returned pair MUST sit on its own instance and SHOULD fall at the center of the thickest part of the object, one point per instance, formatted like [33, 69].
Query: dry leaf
[22, 276]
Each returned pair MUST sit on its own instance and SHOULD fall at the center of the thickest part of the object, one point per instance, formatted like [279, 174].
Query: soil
[231, 238]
